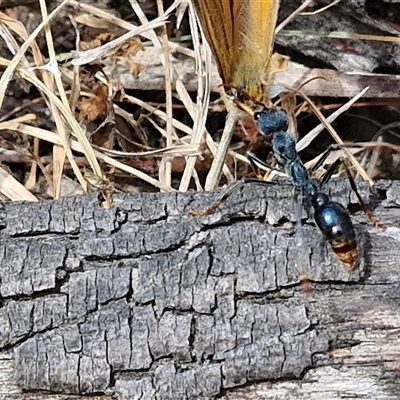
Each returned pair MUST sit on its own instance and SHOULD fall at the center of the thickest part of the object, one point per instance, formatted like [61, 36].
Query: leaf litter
[68, 125]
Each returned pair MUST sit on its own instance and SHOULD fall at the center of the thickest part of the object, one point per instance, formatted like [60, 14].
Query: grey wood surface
[143, 301]
[349, 65]
[364, 17]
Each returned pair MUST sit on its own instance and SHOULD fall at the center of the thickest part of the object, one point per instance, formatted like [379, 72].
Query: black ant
[331, 217]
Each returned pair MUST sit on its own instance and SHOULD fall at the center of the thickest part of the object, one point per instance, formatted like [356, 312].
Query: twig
[293, 15]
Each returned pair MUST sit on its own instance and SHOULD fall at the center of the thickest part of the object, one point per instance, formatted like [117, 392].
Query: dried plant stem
[338, 140]
[302, 6]
[223, 146]
[203, 69]
[179, 86]
[165, 172]
[307, 139]
[48, 77]
[7, 74]
[77, 146]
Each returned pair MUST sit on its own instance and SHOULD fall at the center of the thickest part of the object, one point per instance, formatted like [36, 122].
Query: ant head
[271, 120]
[242, 99]
[241, 95]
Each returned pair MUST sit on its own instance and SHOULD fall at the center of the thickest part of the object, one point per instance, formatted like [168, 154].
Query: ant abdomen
[335, 224]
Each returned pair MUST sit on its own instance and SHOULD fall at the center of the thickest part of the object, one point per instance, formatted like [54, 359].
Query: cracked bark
[143, 301]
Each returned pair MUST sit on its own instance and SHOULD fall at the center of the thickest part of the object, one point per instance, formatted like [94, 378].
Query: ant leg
[332, 168]
[299, 195]
[256, 160]
[375, 221]
[210, 210]
[258, 181]
[253, 159]
[300, 245]
[226, 193]
[325, 155]
[330, 171]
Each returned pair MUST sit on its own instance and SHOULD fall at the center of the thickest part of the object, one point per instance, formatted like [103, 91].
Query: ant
[331, 217]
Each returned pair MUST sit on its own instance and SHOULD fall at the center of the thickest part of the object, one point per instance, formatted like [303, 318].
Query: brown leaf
[97, 42]
[130, 48]
[93, 107]
[134, 68]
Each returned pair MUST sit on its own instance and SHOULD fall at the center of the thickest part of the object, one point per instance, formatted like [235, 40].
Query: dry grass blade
[372, 145]
[165, 168]
[149, 130]
[85, 57]
[203, 70]
[9, 186]
[31, 181]
[112, 19]
[20, 30]
[8, 24]
[306, 140]
[76, 146]
[293, 15]
[11, 66]
[47, 88]
[12, 189]
[180, 12]
[223, 147]
[49, 76]
[180, 87]
[185, 150]
[76, 129]
[341, 35]
[155, 111]
[322, 9]
[338, 140]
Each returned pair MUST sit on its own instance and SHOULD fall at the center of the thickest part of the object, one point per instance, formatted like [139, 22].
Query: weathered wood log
[143, 301]
[330, 82]
[355, 63]
[363, 17]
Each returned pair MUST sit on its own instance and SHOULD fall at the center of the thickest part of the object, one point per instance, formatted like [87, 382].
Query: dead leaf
[97, 42]
[93, 107]
[129, 48]
[134, 68]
